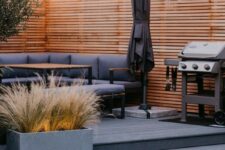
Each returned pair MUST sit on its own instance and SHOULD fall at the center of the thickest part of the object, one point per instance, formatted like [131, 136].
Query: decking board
[134, 134]
[143, 134]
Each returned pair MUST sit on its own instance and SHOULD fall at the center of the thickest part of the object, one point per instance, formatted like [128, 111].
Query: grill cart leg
[184, 93]
[201, 111]
[219, 117]
[201, 108]
[218, 91]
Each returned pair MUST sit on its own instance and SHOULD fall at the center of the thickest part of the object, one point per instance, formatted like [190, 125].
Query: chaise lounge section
[105, 91]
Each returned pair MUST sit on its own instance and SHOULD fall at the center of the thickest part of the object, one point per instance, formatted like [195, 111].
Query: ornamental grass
[37, 109]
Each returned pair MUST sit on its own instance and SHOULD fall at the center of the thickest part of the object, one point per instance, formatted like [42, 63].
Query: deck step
[167, 143]
[211, 147]
[146, 134]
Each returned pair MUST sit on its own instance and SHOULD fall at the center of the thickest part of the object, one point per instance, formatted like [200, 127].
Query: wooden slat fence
[103, 26]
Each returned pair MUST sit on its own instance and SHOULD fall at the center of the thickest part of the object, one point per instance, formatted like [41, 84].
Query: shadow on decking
[142, 134]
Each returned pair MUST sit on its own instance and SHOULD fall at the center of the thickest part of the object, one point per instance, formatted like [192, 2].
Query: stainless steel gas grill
[199, 62]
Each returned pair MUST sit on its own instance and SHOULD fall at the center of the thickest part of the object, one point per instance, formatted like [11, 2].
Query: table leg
[45, 76]
[184, 94]
[123, 106]
[90, 75]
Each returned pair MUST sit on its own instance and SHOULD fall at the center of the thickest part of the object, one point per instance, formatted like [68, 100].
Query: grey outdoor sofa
[101, 67]
[106, 69]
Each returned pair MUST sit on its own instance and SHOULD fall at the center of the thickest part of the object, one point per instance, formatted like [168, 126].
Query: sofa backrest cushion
[14, 58]
[60, 58]
[114, 61]
[35, 58]
[84, 59]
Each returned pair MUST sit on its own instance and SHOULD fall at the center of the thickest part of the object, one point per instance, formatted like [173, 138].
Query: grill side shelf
[172, 62]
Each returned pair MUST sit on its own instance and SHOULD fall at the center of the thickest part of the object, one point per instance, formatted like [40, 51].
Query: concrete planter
[58, 140]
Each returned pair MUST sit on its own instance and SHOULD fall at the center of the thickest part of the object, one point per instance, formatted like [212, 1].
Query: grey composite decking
[2, 147]
[142, 134]
[211, 147]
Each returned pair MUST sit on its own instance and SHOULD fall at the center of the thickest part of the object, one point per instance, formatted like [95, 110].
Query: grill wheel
[219, 118]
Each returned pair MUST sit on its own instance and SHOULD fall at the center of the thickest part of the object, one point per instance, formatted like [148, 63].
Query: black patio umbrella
[140, 52]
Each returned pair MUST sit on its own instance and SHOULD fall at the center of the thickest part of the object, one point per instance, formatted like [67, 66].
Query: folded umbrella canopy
[140, 52]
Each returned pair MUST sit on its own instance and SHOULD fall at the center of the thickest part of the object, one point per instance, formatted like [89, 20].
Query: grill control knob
[207, 67]
[195, 66]
[183, 66]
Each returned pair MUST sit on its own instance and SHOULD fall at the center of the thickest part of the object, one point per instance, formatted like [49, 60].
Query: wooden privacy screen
[104, 26]
[33, 38]
[88, 26]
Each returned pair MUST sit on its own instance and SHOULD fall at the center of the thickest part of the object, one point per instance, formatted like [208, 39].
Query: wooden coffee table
[49, 67]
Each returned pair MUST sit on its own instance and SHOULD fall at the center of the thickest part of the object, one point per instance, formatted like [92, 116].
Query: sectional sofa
[106, 68]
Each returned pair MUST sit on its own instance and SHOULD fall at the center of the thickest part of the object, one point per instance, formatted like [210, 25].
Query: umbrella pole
[144, 105]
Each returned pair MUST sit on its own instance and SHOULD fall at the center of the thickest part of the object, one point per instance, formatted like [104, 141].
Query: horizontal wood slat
[100, 26]
[104, 26]
[33, 38]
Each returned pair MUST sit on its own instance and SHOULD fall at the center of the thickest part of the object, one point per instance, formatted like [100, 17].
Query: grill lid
[204, 50]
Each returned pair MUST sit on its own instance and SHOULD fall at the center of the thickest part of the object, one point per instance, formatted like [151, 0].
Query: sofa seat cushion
[114, 61]
[14, 58]
[105, 89]
[127, 84]
[70, 81]
[99, 89]
[84, 81]
[60, 58]
[8, 81]
[84, 59]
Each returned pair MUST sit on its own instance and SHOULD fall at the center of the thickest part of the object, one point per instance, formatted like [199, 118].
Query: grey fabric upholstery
[83, 59]
[99, 89]
[114, 61]
[8, 81]
[73, 80]
[70, 81]
[100, 81]
[105, 89]
[101, 65]
[35, 58]
[127, 84]
[60, 58]
[14, 58]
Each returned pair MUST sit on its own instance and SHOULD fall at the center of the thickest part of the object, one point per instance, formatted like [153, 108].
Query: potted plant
[48, 119]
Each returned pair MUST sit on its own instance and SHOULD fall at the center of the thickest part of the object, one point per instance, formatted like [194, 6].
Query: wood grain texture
[33, 38]
[104, 26]
[101, 26]
[44, 66]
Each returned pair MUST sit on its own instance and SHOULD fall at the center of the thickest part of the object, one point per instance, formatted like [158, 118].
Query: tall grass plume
[37, 109]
